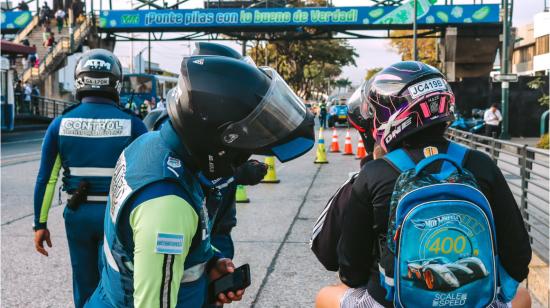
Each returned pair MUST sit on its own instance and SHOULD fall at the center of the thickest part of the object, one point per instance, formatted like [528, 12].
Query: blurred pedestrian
[160, 104]
[27, 97]
[50, 42]
[323, 115]
[144, 108]
[32, 57]
[76, 8]
[492, 118]
[45, 14]
[130, 105]
[18, 92]
[35, 94]
[46, 35]
[59, 17]
[22, 6]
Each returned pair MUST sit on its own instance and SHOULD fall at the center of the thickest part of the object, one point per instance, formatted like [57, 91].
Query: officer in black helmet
[86, 140]
[157, 247]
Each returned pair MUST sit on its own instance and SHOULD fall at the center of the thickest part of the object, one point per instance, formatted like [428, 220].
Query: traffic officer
[223, 111]
[219, 193]
[86, 141]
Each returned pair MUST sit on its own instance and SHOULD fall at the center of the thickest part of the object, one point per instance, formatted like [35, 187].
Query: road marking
[19, 158]
[22, 141]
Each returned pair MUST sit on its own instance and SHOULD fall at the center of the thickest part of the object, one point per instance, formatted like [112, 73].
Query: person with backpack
[432, 223]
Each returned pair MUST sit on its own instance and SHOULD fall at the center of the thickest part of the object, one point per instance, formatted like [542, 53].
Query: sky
[372, 52]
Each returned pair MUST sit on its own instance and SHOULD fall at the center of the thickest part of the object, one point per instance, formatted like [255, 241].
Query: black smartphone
[238, 280]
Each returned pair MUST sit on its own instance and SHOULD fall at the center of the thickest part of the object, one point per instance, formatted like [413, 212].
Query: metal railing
[41, 106]
[526, 170]
[64, 47]
[27, 30]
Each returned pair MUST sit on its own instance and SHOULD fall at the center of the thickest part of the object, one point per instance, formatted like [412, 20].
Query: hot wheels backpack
[441, 245]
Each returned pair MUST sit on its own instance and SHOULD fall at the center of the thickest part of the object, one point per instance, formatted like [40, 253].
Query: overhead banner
[14, 21]
[248, 19]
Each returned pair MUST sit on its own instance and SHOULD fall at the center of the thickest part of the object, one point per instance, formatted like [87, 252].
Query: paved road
[272, 234]
[22, 146]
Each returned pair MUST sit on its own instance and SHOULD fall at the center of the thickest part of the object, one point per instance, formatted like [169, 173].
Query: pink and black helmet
[405, 98]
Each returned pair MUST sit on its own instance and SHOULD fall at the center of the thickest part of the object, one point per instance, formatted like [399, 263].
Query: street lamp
[140, 59]
[415, 50]
[504, 70]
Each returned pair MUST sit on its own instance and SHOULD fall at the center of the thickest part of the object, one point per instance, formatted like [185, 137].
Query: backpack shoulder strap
[457, 152]
[400, 160]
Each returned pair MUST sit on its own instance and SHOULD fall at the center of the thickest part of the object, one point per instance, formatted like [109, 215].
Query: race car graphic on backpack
[441, 274]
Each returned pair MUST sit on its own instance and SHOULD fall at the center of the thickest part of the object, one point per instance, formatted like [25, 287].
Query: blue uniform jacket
[86, 140]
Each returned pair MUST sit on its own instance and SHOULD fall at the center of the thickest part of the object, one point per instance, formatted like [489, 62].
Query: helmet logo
[230, 138]
[199, 61]
[427, 86]
[79, 83]
[395, 128]
[434, 107]
[97, 64]
[118, 86]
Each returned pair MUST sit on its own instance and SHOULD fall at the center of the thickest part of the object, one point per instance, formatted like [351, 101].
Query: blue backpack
[441, 245]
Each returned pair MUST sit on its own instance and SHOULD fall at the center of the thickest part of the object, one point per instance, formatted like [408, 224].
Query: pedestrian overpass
[469, 33]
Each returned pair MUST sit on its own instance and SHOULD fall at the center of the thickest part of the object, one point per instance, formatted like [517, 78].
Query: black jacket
[365, 218]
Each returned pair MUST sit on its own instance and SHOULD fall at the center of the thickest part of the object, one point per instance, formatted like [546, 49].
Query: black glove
[250, 173]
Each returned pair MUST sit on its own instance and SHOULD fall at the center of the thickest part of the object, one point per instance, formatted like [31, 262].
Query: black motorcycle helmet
[405, 98]
[98, 73]
[225, 110]
[355, 118]
[215, 49]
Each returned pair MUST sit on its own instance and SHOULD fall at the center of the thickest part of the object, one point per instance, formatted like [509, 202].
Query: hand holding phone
[238, 280]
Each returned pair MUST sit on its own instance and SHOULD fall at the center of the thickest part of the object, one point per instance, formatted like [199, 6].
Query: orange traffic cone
[361, 152]
[348, 150]
[334, 146]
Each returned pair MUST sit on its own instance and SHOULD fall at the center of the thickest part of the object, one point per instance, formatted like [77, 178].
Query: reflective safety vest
[103, 127]
[151, 158]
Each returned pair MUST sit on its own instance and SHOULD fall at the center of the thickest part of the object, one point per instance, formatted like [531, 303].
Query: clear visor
[249, 60]
[279, 113]
[356, 97]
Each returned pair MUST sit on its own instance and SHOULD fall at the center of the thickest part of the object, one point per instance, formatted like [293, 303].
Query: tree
[371, 72]
[427, 50]
[539, 84]
[306, 65]
[342, 83]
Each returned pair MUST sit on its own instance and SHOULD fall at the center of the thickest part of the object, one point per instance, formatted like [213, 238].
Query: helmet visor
[279, 113]
[249, 60]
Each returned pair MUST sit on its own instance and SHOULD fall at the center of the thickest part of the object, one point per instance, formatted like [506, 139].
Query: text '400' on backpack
[440, 249]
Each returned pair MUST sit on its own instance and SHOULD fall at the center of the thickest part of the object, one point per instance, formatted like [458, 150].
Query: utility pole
[415, 50]
[504, 70]
[149, 46]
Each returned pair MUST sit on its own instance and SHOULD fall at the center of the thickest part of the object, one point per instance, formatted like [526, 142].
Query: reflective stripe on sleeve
[50, 189]
[166, 281]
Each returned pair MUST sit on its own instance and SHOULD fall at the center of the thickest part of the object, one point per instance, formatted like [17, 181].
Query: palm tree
[342, 83]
